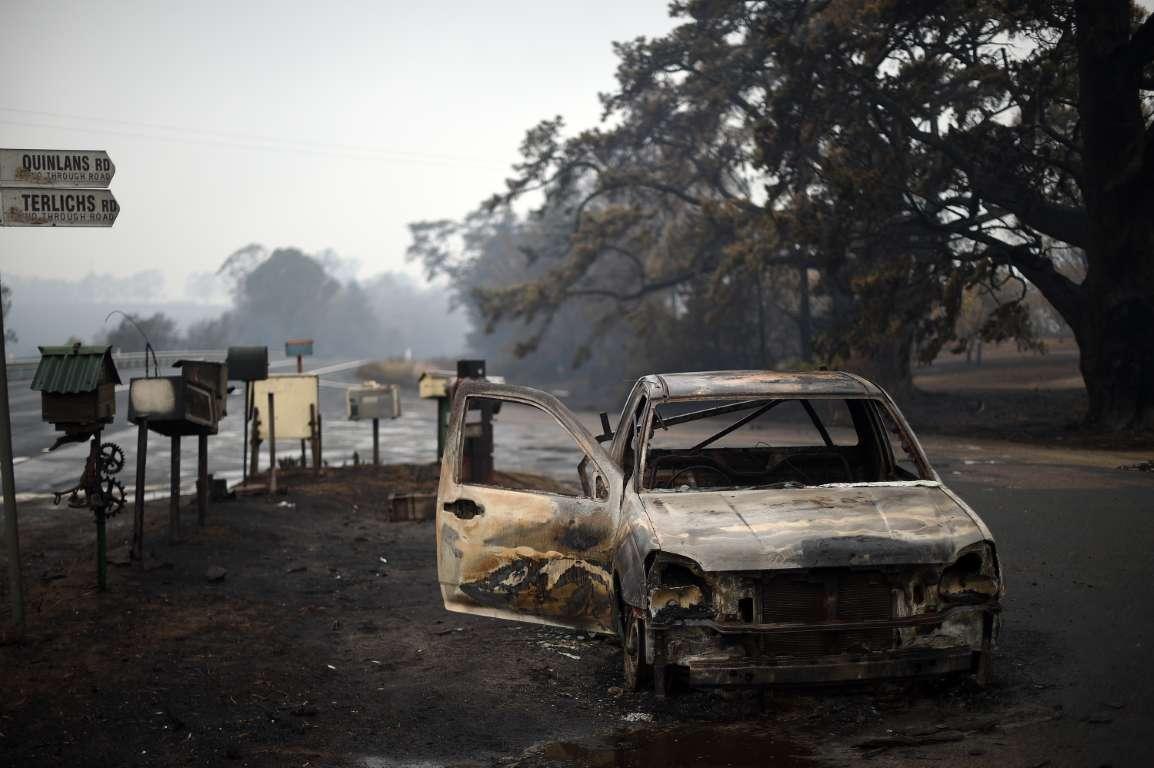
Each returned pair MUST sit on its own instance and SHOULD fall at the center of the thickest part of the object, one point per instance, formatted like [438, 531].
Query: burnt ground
[325, 644]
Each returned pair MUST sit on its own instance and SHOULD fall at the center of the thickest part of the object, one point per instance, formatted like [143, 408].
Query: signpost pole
[11, 525]
[24, 174]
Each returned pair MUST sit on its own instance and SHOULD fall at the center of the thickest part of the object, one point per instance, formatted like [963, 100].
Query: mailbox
[173, 406]
[373, 401]
[211, 376]
[247, 363]
[435, 384]
[77, 386]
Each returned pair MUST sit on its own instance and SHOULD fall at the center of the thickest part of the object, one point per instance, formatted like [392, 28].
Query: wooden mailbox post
[77, 386]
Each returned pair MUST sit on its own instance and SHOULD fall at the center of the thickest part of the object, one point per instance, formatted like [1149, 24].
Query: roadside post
[174, 491]
[136, 551]
[438, 385]
[271, 444]
[189, 404]
[374, 401]
[77, 386]
[301, 348]
[43, 188]
[296, 418]
[477, 454]
[11, 526]
[247, 364]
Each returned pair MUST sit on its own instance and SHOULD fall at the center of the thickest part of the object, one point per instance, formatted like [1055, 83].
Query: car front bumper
[956, 640]
[706, 673]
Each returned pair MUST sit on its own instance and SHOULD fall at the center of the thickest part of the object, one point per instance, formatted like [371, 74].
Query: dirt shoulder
[325, 643]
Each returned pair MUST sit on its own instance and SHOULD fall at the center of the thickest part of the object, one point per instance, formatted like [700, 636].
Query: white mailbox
[293, 395]
[374, 401]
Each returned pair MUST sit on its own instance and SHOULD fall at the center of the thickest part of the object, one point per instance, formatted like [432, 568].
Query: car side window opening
[905, 466]
[767, 442]
[532, 451]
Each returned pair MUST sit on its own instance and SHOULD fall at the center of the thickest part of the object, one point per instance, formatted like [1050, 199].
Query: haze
[289, 124]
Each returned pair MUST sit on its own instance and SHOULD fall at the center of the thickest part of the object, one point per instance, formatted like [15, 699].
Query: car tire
[635, 671]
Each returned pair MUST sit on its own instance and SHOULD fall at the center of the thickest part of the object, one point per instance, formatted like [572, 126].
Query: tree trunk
[1116, 335]
[887, 364]
[804, 315]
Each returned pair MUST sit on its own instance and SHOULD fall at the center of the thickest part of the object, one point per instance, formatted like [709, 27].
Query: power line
[246, 141]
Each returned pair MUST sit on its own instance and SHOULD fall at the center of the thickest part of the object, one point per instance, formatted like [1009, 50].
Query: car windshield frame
[742, 401]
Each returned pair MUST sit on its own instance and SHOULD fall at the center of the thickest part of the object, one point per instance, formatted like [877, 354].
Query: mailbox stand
[271, 444]
[247, 364]
[189, 404]
[174, 491]
[137, 549]
[77, 395]
[374, 401]
[478, 447]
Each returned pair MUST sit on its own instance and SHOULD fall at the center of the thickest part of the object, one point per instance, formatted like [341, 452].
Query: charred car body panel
[734, 563]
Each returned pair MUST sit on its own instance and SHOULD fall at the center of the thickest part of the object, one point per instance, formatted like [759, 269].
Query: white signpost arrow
[55, 168]
[28, 207]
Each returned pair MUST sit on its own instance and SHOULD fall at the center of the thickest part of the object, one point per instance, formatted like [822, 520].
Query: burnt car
[737, 528]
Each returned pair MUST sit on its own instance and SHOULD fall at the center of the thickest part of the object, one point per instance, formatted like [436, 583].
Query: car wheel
[636, 671]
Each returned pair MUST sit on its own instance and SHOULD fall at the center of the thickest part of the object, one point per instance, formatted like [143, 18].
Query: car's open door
[523, 544]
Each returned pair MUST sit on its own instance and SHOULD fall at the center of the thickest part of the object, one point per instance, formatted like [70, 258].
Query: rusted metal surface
[857, 525]
[804, 583]
[754, 383]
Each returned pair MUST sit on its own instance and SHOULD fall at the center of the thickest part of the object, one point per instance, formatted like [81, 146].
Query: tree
[905, 151]
[134, 330]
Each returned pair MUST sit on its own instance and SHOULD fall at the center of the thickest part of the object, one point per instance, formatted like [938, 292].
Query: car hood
[854, 524]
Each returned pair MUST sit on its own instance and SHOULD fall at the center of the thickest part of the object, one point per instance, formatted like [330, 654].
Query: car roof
[669, 386]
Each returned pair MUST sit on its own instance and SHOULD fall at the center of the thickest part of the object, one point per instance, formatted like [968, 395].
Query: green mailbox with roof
[77, 386]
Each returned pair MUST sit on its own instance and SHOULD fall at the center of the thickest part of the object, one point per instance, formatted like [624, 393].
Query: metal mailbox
[77, 386]
[247, 363]
[212, 376]
[173, 406]
[374, 401]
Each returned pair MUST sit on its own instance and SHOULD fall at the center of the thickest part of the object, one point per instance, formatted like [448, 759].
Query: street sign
[55, 168]
[27, 207]
[298, 348]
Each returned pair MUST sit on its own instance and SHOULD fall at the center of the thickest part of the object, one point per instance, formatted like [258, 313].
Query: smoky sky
[315, 125]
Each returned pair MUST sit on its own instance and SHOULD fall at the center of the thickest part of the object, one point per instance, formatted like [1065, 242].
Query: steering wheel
[695, 468]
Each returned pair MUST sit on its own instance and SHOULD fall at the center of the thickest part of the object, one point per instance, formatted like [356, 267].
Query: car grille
[816, 598]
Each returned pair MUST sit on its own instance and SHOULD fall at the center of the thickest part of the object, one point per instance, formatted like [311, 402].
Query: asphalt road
[1075, 534]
